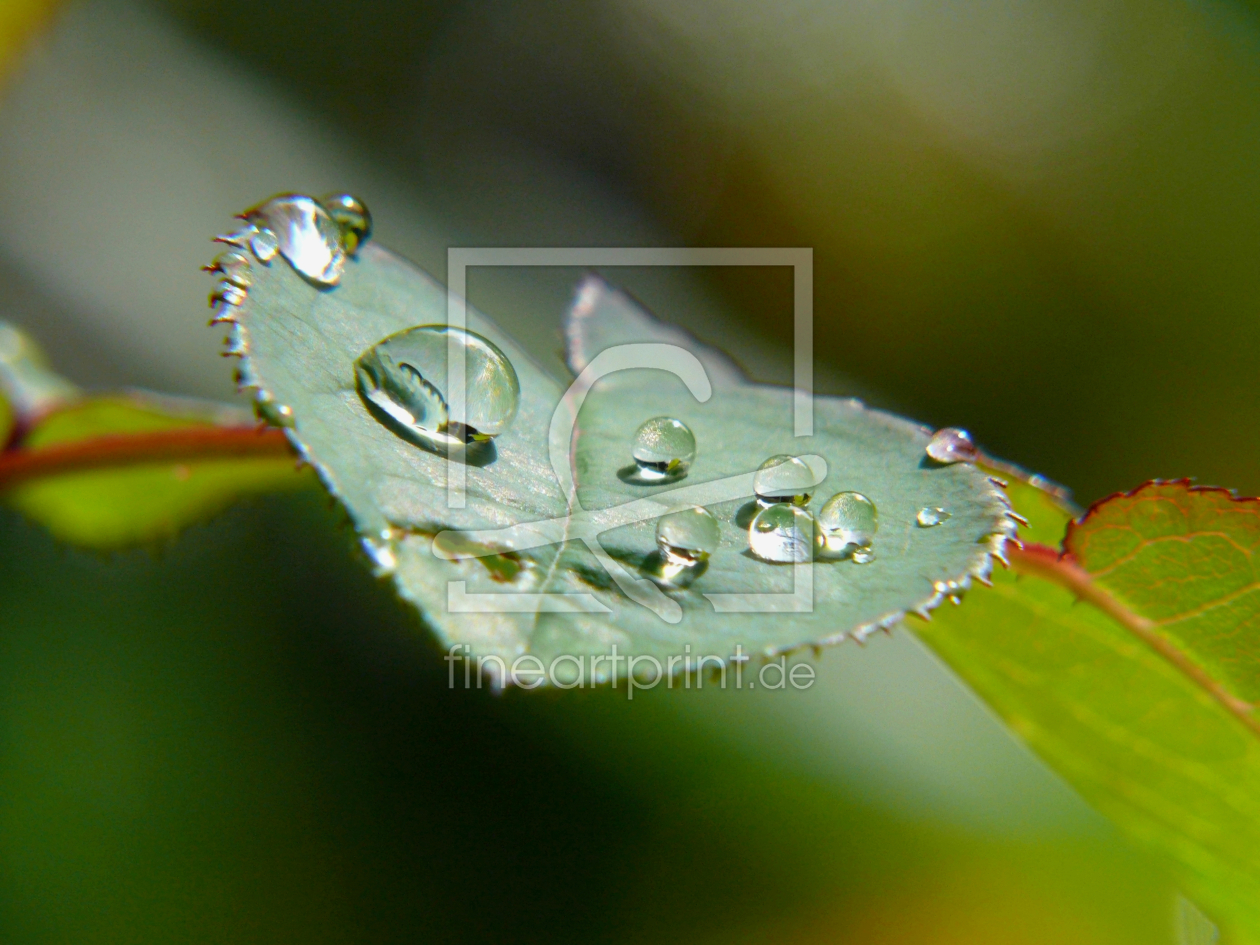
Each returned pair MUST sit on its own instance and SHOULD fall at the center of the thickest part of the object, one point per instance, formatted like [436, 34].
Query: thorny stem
[1045, 562]
[19, 464]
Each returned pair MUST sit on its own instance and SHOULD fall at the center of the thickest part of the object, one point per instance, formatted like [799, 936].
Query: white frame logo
[586, 526]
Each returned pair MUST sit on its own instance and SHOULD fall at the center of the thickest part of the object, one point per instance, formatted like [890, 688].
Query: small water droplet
[848, 521]
[784, 478]
[688, 537]
[863, 556]
[274, 414]
[264, 245]
[228, 292]
[404, 376]
[952, 445]
[664, 449]
[352, 218]
[234, 267]
[783, 533]
[380, 552]
[305, 234]
[931, 516]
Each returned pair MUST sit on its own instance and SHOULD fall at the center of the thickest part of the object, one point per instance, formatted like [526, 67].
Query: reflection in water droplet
[664, 449]
[304, 233]
[863, 556]
[951, 445]
[352, 218]
[848, 521]
[930, 517]
[784, 478]
[688, 537]
[783, 533]
[405, 376]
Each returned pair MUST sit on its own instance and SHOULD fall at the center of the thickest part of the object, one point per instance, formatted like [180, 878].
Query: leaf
[1183, 558]
[525, 576]
[1117, 692]
[132, 503]
[114, 470]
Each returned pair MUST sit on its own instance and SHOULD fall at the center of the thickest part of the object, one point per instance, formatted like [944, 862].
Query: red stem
[129, 449]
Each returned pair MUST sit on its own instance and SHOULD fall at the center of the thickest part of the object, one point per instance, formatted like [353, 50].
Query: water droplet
[274, 414]
[783, 533]
[848, 521]
[930, 516]
[663, 449]
[352, 218]
[404, 376]
[862, 556]
[380, 552]
[234, 267]
[228, 292]
[952, 445]
[784, 478]
[264, 245]
[687, 537]
[306, 235]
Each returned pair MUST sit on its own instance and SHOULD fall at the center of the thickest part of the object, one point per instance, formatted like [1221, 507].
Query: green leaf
[1118, 665]
[116, 504]
[1184, 558]
[485, 588]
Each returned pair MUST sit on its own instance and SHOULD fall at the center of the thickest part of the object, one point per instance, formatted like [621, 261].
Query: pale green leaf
[300, 343]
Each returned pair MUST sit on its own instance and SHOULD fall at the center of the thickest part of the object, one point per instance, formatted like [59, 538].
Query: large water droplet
[783, 533]
[784, 478]
[663, 449]
[848, 521]
[352, 218]
[688, 537]
[952, 445]
[306, 235]
[405, 377]
[930, 517]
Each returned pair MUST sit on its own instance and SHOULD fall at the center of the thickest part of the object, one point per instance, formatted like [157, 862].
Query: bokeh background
[1033, 219]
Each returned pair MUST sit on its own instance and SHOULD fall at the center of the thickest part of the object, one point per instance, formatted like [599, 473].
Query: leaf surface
[526, 576]
[1060, 648]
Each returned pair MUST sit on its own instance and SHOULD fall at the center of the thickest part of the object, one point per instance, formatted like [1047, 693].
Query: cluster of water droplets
[783, 529]
[316, 237]
[404, 380]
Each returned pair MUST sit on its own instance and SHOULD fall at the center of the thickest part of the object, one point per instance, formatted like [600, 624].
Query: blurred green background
[1031, 219]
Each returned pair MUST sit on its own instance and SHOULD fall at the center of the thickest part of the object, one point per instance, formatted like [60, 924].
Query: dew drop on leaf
[952, 445]
[863, 556]
[404, 377]
[930, 516]
[848, 522]
[783, 533]
[784, 478]
[687, 537]
[305, 234]
[664, 449]
[353, 220]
